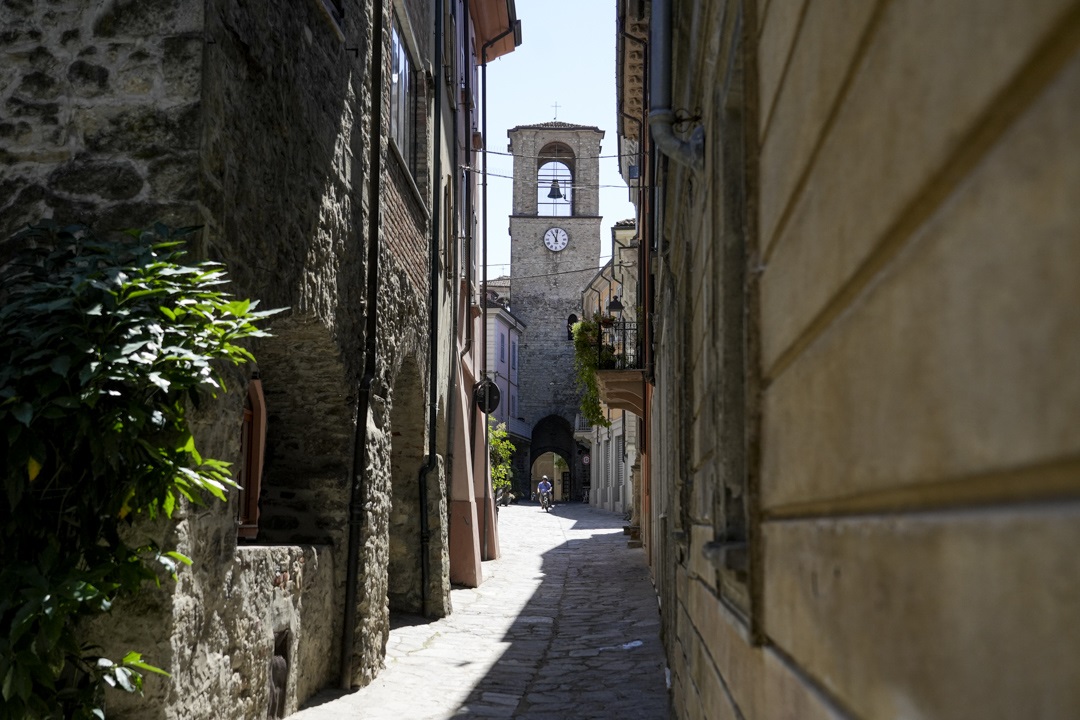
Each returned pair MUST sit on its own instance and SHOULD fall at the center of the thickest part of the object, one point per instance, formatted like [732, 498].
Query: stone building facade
[614, 468]
[274, 129]
[858, 227]
[554, 250]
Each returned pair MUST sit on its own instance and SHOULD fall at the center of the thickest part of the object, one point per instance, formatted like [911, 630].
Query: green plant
[501, 451]
[107, 343]
[590, 356]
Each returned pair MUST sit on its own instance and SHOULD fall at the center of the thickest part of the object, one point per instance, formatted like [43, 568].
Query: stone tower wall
[546, 285]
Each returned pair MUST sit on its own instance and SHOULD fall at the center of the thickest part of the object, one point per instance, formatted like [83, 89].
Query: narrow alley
[564, 626]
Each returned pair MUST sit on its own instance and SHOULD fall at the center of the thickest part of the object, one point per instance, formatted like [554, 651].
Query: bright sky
[567, 55]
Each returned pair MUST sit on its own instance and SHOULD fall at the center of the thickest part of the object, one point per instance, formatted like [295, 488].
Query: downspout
[467, 39]
[690, 153]
[451, 418]
[363, 397]
[433, 316]
[514, 26]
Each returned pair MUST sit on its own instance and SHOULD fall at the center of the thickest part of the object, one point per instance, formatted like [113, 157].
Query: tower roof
[555, 125]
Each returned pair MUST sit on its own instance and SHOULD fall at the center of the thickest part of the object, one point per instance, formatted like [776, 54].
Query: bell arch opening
[555, 180]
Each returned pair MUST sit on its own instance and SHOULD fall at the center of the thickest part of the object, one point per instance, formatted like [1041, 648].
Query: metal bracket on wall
[727, 555]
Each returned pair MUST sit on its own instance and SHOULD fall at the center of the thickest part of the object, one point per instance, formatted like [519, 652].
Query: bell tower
[554, 252]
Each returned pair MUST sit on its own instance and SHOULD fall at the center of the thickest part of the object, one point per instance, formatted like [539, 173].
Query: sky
[567, 56]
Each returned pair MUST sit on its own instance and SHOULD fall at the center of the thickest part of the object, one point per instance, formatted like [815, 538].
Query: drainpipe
[515, 27]
[451, 418]
[433, 314]
[466, 38]
[363, 397]
[690, 153]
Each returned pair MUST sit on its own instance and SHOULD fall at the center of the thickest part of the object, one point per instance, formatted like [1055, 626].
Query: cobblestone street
[564, 626]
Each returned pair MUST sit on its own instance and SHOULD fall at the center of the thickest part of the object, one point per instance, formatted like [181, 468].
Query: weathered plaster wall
[909, 244]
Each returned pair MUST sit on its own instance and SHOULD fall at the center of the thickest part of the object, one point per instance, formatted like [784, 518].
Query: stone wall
[253, 122]
[99, 112]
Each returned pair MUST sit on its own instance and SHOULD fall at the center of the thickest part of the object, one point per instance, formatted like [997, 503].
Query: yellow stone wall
[914, 270]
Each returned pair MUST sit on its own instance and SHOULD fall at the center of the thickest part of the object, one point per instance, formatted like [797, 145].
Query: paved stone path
[564, 627]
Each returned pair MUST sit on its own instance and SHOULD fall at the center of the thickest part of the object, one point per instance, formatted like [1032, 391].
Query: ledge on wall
[622, 390]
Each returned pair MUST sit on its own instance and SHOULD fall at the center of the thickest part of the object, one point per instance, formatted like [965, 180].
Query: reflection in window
[402, 99]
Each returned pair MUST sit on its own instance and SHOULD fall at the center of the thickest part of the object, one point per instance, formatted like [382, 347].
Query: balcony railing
[581, 425]
[620, 363]
[619, 347]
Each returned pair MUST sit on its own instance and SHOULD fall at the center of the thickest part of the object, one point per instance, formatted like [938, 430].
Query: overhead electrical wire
[562, 272]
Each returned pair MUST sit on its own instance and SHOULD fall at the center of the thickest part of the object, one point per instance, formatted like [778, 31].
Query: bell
[554, 193]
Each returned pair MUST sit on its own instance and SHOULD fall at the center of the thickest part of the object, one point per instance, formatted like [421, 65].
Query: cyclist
[544, 490]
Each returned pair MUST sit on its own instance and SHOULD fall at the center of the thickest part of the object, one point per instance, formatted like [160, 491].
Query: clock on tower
[556, 239]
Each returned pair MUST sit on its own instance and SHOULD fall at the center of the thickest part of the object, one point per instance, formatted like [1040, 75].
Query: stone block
[109, 180]
[88, 79]
[38, 85]
[760, 682]
[143, 18]
[144, 131]
[824, 50]
[175, 177]
[840, 217]
[777, 32]
[949, 615]
[959, 361]
[182, 65]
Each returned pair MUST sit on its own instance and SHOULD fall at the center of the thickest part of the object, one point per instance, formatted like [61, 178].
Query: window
[252, 452]
[402, 99]
[336, 10]
[513, 405]
[570, 322]
[502, 347]
[620, 448]
[513, 355]
[555, 181]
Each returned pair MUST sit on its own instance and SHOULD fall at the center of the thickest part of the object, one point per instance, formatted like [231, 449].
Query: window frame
[403, 97]
[252, 460]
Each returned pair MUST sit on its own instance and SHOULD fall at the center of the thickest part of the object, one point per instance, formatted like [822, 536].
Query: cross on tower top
[556, 106]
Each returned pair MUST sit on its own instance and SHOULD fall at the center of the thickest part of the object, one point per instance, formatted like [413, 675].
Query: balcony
[620, 371]
[583, 430]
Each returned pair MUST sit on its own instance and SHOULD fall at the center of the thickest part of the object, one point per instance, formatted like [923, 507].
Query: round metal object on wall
[585, 460]
[489, 401]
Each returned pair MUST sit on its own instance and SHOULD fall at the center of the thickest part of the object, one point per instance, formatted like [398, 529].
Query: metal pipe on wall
[433, 317]
[363, 398]
[485, 554]
[661, 116]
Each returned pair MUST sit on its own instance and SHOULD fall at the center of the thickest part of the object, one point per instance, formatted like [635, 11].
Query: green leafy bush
[106, 344]
[501, 451]
[589, 357]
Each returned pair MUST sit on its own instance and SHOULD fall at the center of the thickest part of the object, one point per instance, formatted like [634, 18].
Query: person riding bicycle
[544, 488]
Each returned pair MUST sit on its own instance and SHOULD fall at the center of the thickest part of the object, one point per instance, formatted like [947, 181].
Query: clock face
[556, 239]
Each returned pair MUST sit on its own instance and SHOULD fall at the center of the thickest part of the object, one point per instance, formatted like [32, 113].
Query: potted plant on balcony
[590, 356]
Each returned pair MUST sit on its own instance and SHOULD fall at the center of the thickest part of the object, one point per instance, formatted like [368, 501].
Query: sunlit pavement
[564, 626]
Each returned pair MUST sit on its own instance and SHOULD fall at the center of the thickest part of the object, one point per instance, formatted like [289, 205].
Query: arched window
[570, 322]
[252, 452]
[555, 181]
